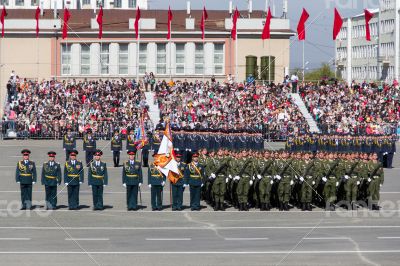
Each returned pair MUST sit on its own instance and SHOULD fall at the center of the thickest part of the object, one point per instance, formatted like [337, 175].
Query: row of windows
[161, 59]
[341, 53]
[371, 73]
[117, 3]
[364, 51]
[387, 4]
[359, 30]
[20, 2]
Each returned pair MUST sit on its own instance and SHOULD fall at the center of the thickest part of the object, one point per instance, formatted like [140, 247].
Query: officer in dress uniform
[177, 188]
[69, 143]
[98, 179]
[132, 179]
[51, 178]
[25, 176]
[194, 174]
[89, 146]
[73, 178]
[116, 147]
[156, 182]
[156, 138]
[145, 151]
[130, 141]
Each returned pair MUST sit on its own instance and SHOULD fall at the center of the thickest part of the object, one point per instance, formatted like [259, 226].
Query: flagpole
[303, 61]
[236, 56]
[137, 54]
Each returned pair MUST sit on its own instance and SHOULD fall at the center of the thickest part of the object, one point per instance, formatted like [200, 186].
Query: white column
[169, 50]
[75, 59]
[173, 58]
[152, 57]
[93, 4]
[95, 59]
[11, 4]
[397, 41]
[27, 4]
[114, 56]
[349, 55]
[125, 4]
[106, 4]
[208, 58]
[189, 58]
[132, 53]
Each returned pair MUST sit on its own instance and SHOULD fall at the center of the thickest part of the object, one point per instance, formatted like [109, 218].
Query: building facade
[376, 60]
[74, 4]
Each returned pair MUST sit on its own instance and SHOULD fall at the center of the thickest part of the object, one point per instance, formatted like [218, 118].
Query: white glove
[346, 177]
[301, 178]
[64, 149]
[278, 177]
[358, 182]
[66, 184]
[380, 185]
[296, 177]
[149, 185]
[271, 182]
[230, 176]
[369, 179]
[236, 178]
[124, 184]
[90, 185]
[18, 182]
[213, 175]
[185, 185]
[202, 185]
[337, 184]
[140, 184]
[33, 183]
[254, 177]
[313, 182]
[210, 177]
[163, 183]
[324, 179]
[291, 182]
[80, 183]
[251, 182]
[226, 180]
[259, 176]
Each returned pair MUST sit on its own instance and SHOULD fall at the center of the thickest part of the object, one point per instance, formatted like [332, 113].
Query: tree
[323, 73]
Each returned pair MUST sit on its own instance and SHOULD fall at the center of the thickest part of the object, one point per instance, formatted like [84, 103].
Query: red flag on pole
[170, 17]
[368, 15]
[234, 27]
[100, 22]
[37, 16]
[3, 15]
[204, 17]
[337, 24]
[301, 30]
[67, 16]
[266, 34]
[137, 22]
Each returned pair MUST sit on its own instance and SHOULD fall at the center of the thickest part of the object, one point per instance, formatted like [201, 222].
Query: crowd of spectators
[362, 109]
[231, 106]
[48, 108]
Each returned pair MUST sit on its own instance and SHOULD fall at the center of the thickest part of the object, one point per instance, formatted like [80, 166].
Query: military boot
[280, 206]
[303, 207]
[267, 206]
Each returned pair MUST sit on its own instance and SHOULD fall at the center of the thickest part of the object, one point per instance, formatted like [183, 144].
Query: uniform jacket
[25, 172]
[97, 175]
[132, 173]
[73, 174]
[51, 175]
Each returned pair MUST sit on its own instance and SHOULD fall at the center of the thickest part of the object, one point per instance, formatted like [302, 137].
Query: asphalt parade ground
[117, 237]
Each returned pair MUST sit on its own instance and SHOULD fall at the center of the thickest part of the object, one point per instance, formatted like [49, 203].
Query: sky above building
[319, 46]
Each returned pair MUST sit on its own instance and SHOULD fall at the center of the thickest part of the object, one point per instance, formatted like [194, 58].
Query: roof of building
[118, 20]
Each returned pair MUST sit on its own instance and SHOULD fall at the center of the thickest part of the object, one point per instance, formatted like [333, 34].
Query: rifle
[286, 167]
[309, 166]
[331, 168]
[267, 167]
[222, 166]
[375, 170]
[244, 167]
[353, 167]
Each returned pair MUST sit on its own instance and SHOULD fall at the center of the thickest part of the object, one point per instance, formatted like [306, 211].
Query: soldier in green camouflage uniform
[307, 182]
[219, 173]
[330, 179]
[351, 180]
[283, 173]
[375, 181]
[265, 181]
[245, 168]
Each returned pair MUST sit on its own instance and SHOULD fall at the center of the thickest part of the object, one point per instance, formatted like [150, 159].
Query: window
[218, 58]
[19, 2]
[199, 59]
[161, 58]
[85, 2]
[100, 3]
[4, 2]
[85, 59]
[142, 58]
[123, 59]
[105, 58]
[180, 58]
[65, 59]
[117, 3]
[132, 3]
[34, 2]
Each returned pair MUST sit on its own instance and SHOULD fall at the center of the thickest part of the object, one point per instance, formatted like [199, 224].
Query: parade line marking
[202, 228]
[326, 238]
[246, 239]
[15, 239]
[168, 239]
[388, 237]
[201, 252]
[87, 239]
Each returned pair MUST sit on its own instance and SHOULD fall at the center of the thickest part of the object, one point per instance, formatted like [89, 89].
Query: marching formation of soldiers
[383, 145]
[243, 179]
[279, 179]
